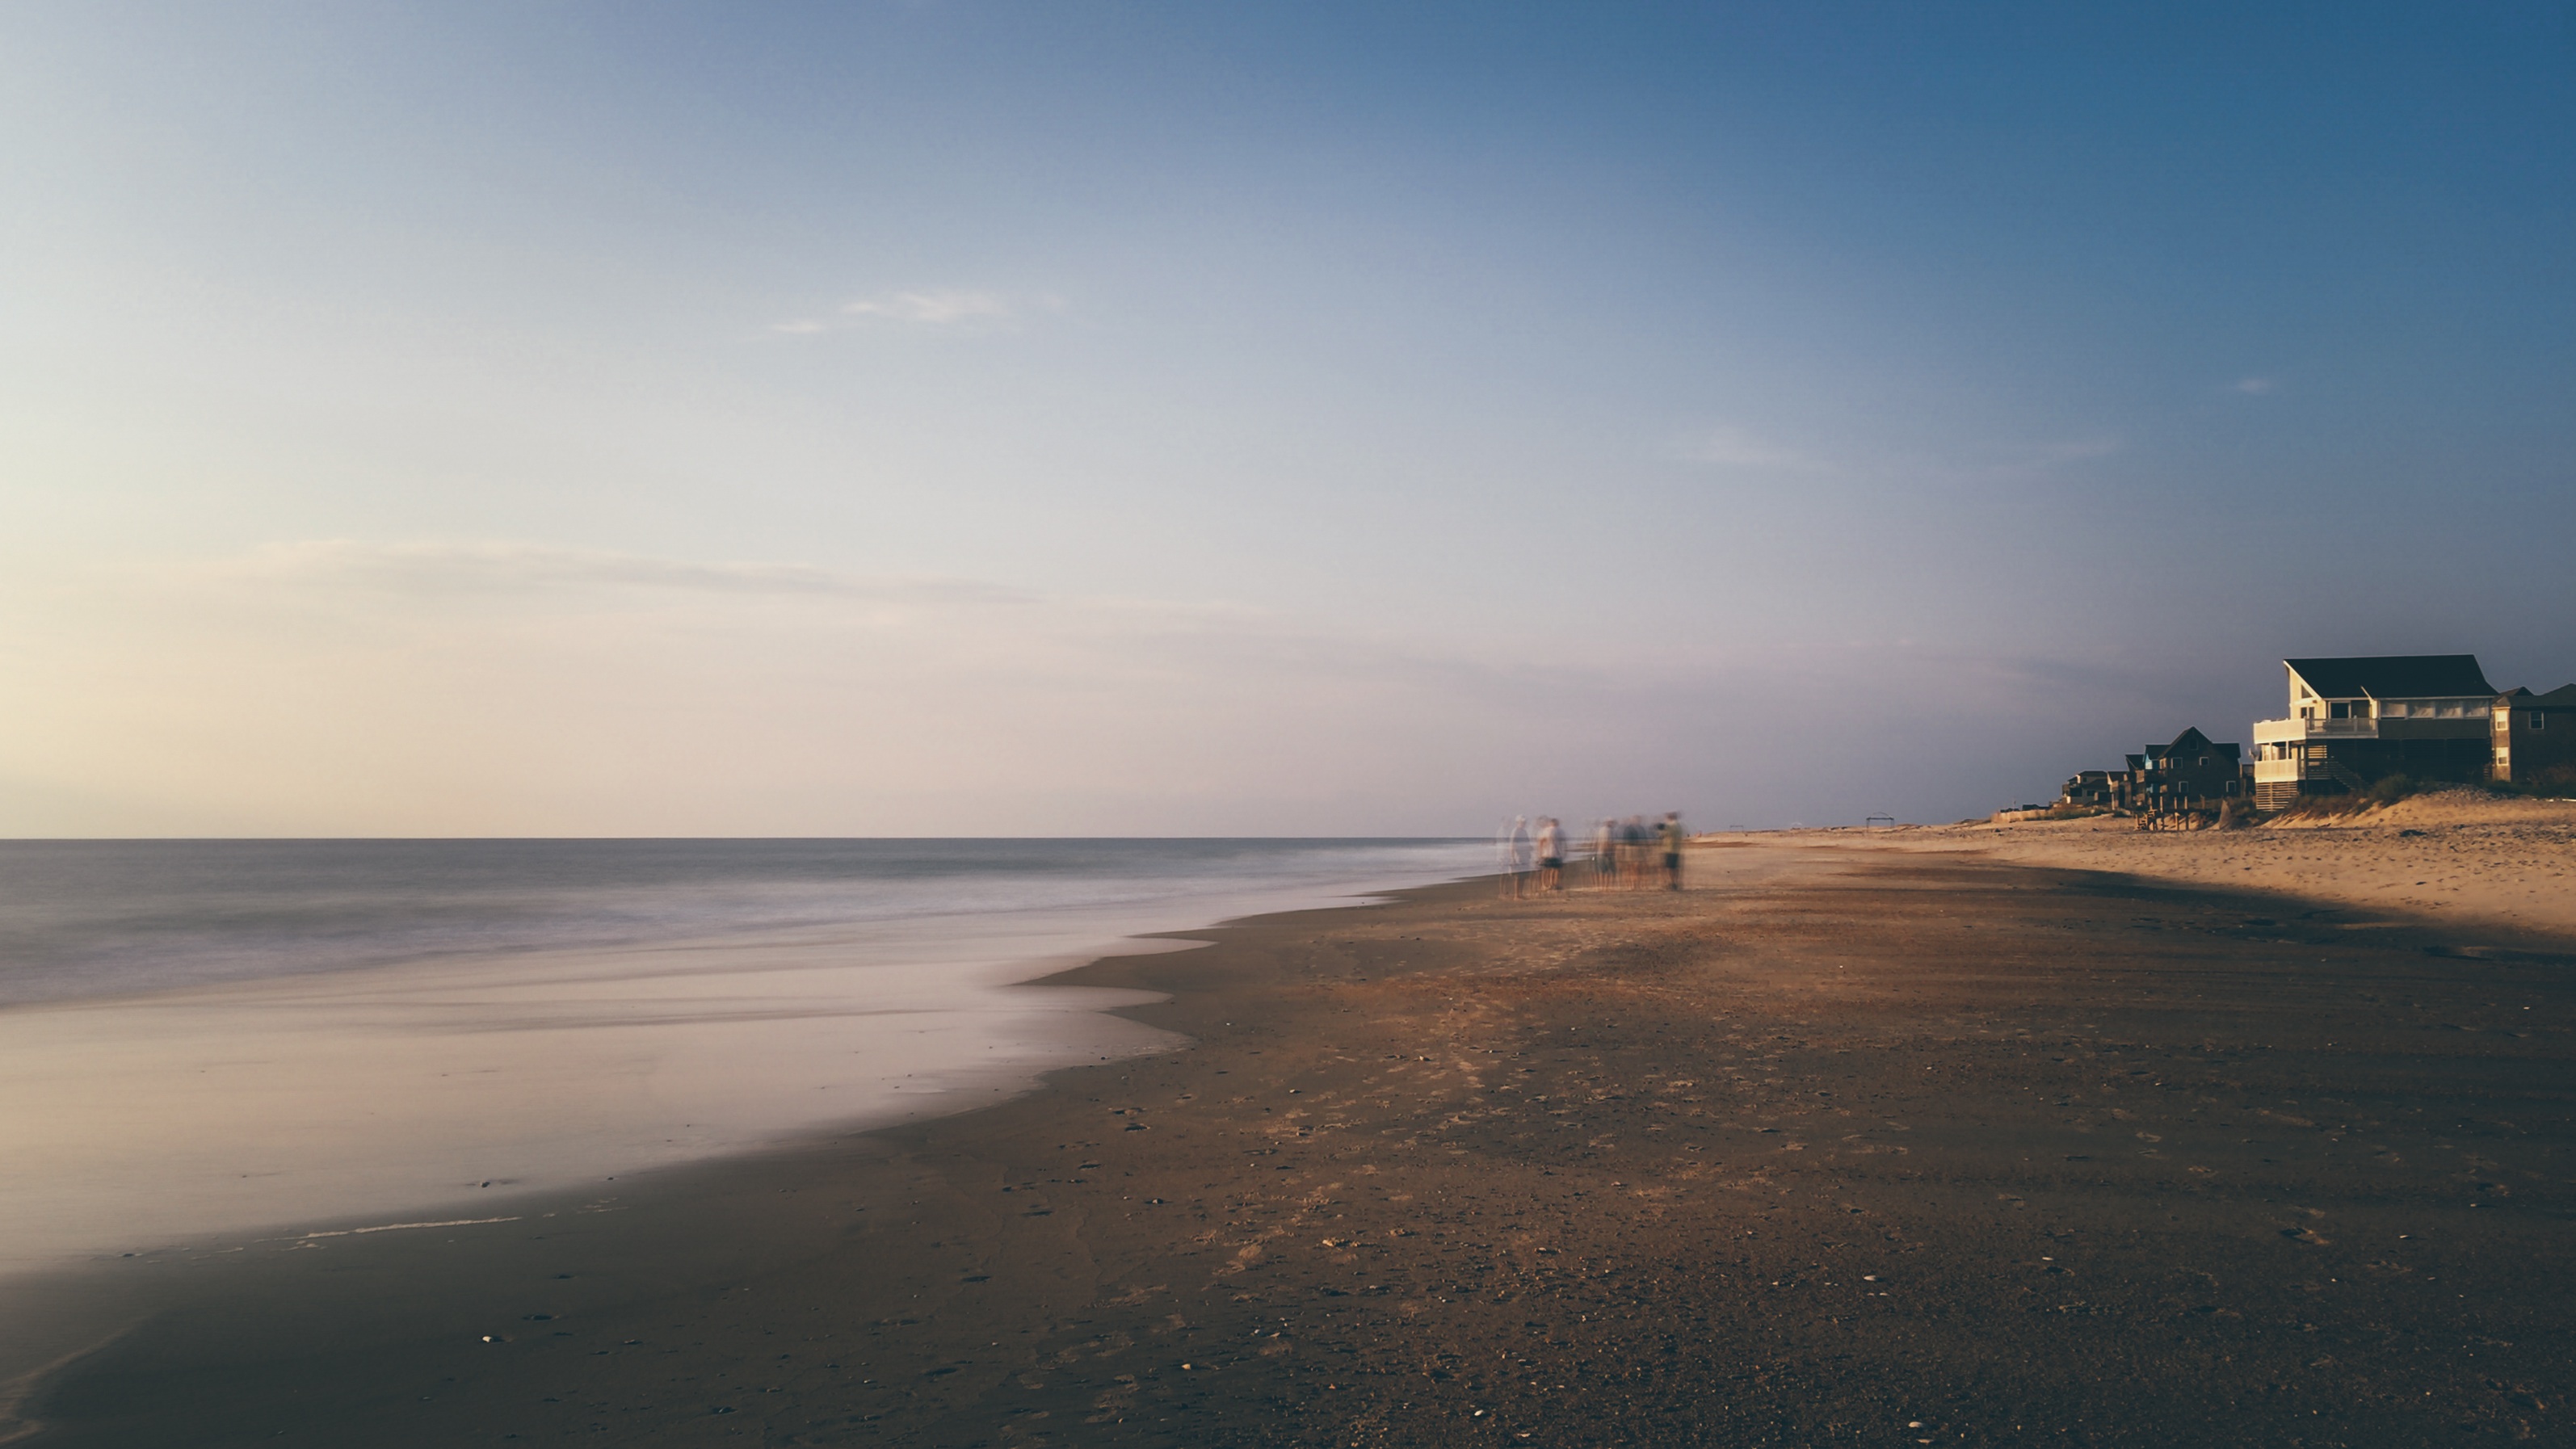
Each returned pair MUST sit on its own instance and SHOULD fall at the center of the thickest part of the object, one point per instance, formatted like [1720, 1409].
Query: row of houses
[2351, 723]
[2191, 773]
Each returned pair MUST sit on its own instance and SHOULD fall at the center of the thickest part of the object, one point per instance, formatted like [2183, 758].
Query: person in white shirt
[1551, 854]
[1515, 854]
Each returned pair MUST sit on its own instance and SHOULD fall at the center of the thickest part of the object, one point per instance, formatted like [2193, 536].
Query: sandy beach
[2460, 856]
[1854, 1141]
[975, 726]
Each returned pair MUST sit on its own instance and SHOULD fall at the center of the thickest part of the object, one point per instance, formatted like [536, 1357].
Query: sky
[1119, 418]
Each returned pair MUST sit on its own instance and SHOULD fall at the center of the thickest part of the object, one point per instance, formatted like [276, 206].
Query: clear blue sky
[1087, 418]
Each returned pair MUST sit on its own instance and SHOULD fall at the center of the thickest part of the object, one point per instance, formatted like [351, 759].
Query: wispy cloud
[434, 567]
[329, 686]
[1737, 449]
[2023, 459]
[2257, 386]
[1196, 638]
[936, 307]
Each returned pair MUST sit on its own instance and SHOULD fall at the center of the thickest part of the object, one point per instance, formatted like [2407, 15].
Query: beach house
[2092, 787]
[2534, 737]
[2187, 774]
[2356, 721]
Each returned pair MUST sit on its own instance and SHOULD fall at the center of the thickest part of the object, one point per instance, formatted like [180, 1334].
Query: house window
[2339, 710]
[2540, 721]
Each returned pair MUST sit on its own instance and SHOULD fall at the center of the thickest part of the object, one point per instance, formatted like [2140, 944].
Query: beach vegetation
[2353, 802]
[2558, 782]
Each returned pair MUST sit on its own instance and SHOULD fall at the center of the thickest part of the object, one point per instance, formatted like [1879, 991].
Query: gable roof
[2190, 744]
[2393, 676]
[2563, 697]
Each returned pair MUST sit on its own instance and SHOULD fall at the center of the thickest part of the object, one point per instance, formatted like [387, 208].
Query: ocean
[112, 918]
[207, 1039]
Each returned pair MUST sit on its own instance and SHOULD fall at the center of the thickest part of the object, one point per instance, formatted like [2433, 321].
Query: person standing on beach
[1516, 856]
[1672, 833]
[1605, 853]
[1551, 854]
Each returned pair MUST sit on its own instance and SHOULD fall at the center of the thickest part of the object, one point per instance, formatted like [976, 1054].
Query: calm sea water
[375, 1033]
[111, 918]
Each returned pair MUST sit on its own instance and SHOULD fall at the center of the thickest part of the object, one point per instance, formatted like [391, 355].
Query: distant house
[2356, 721]
[2191, 773]
[2188, 774]
[2533, 735]
[2091, 787]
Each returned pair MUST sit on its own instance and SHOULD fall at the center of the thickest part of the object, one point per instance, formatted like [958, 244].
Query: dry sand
[1883, 1147]
[2458, 856]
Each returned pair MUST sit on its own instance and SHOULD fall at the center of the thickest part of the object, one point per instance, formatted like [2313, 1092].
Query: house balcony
[2293, 731]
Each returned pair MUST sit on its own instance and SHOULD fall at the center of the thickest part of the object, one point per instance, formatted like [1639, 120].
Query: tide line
[398, 1227]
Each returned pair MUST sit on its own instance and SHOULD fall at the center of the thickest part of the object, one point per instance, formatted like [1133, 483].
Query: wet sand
[1838, 1146]
[419, 1090]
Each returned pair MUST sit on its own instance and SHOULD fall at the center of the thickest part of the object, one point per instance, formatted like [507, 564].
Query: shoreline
[104, 1311]
[216, 1112]
[1420, 1143]
[74, 1289]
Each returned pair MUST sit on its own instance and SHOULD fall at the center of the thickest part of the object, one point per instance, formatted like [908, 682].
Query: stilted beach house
[2356, 721]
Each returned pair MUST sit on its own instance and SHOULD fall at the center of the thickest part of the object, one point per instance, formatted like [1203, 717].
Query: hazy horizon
[958, 419]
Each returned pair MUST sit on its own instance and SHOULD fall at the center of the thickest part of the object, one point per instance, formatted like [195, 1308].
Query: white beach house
[2355, 721]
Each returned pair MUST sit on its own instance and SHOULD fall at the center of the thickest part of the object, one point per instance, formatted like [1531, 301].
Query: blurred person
[1551, 854]
[1515, 853]
[1605, 852]
[1632, 853]
[1673, 837]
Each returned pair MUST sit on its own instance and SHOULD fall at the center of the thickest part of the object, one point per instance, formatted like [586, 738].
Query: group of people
[1534, 853]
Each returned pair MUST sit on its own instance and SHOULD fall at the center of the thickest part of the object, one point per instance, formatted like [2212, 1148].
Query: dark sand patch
[1881, 1150]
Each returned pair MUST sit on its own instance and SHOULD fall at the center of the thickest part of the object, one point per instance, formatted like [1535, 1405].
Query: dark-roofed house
[2534, 737]
[2355, 721]
[2092, 787]
[2188, 774]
